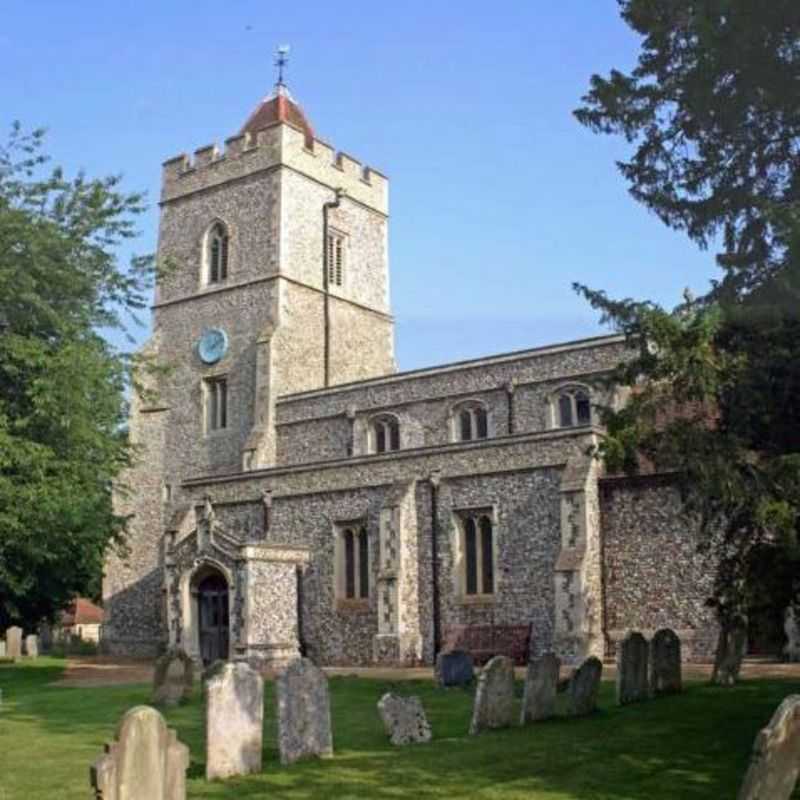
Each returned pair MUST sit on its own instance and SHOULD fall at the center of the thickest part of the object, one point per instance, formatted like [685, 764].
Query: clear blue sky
[499, 199]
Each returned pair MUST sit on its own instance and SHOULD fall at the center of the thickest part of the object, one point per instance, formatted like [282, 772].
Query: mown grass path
[695, 745]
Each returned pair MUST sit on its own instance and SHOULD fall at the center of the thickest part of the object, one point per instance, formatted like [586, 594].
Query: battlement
[281, 144]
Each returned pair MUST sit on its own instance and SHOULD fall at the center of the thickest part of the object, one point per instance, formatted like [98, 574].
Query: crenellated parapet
[280, 144]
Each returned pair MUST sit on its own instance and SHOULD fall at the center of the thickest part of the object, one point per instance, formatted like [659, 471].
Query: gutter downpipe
[335, 203]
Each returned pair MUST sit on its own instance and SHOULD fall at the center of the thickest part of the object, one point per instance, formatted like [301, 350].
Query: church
[294, 493]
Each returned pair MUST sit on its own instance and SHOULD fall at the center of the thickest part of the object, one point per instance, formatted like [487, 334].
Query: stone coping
[276, 552]
[424, 372]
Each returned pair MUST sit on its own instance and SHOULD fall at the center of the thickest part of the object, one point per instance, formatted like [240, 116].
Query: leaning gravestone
[234, 720]
[304, 712]
[775, 763]
[633, 674]
[32, 645]
[731, 648]
[404, 719]
[14, 642]
[665, 662]
[173, 678]
[145, 762]
[584, 686]
[494, 697]
[455, 668]
[541, 682]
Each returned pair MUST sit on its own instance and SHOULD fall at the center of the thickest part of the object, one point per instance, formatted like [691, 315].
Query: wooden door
[212, 598]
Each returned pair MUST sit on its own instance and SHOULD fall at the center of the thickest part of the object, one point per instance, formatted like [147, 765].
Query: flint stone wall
[654, 577]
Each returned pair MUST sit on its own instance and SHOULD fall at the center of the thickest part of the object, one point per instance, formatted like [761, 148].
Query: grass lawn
[695, 745]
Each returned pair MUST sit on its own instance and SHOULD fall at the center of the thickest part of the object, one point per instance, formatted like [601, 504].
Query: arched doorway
[212, 616]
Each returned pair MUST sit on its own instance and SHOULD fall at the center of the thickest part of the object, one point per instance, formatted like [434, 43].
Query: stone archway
[211, 598]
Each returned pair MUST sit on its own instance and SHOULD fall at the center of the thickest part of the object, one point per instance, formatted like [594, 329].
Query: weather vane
[281, 60]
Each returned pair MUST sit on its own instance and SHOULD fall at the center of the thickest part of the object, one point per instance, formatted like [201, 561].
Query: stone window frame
[568, 392]
[359, 601]
[336, 249]
[471, 406]
[206, 384]
[389, 422]
[460, 517]
[225, 254]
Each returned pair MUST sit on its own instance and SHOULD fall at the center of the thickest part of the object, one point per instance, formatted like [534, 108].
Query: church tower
[273, 279]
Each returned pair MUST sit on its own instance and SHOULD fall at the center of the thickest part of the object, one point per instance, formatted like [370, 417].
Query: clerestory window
[384, 434]
[469, 421]
[572, 407]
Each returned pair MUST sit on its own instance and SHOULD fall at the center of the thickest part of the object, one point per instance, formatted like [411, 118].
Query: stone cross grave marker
[633, 673]
[404, 719]
[173, 678]
[455, 668]
[14, 642]
[494, 697]
[775, 762]
[145, 762]
[584, 686]
[234, 695]
[731, 648]
[665, 662]
[541, 683]
[304, 712]
[32, 645]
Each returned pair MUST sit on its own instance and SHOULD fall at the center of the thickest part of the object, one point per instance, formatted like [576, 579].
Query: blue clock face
[213, 344]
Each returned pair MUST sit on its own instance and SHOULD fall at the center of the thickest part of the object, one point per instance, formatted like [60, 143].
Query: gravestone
[775, 762]
[304, 712]
[494, 697]
[665, 662]
[455, 668]
[234, 695]
[173, 678]
[541, 683]
[792, 631]
[731, 647]
[32, 645]
[2, 648]
[633, 674]
[404, 719]
[583, 687]
[145, 762]
[14, 642]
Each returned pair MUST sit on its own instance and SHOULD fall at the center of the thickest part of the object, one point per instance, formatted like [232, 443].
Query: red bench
[484, 641]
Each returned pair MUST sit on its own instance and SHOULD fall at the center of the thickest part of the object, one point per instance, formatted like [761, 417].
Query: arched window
[469, 421]
[478, 550]
[572, 407]
[355, 564]
[385, 434]
[217, 253]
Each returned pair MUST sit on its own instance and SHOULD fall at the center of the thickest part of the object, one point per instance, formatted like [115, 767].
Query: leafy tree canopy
[62, 386]
[712, 110]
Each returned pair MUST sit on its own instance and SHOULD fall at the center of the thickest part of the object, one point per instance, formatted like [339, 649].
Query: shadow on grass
[693, 745]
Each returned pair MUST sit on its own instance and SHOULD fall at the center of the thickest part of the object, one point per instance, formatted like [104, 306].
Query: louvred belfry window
[335, 258]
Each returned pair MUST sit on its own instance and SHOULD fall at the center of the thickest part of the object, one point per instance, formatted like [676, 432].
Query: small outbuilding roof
[82, 612]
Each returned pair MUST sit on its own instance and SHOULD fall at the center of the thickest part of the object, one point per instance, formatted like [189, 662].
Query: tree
[713, 110]
[62, 386]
